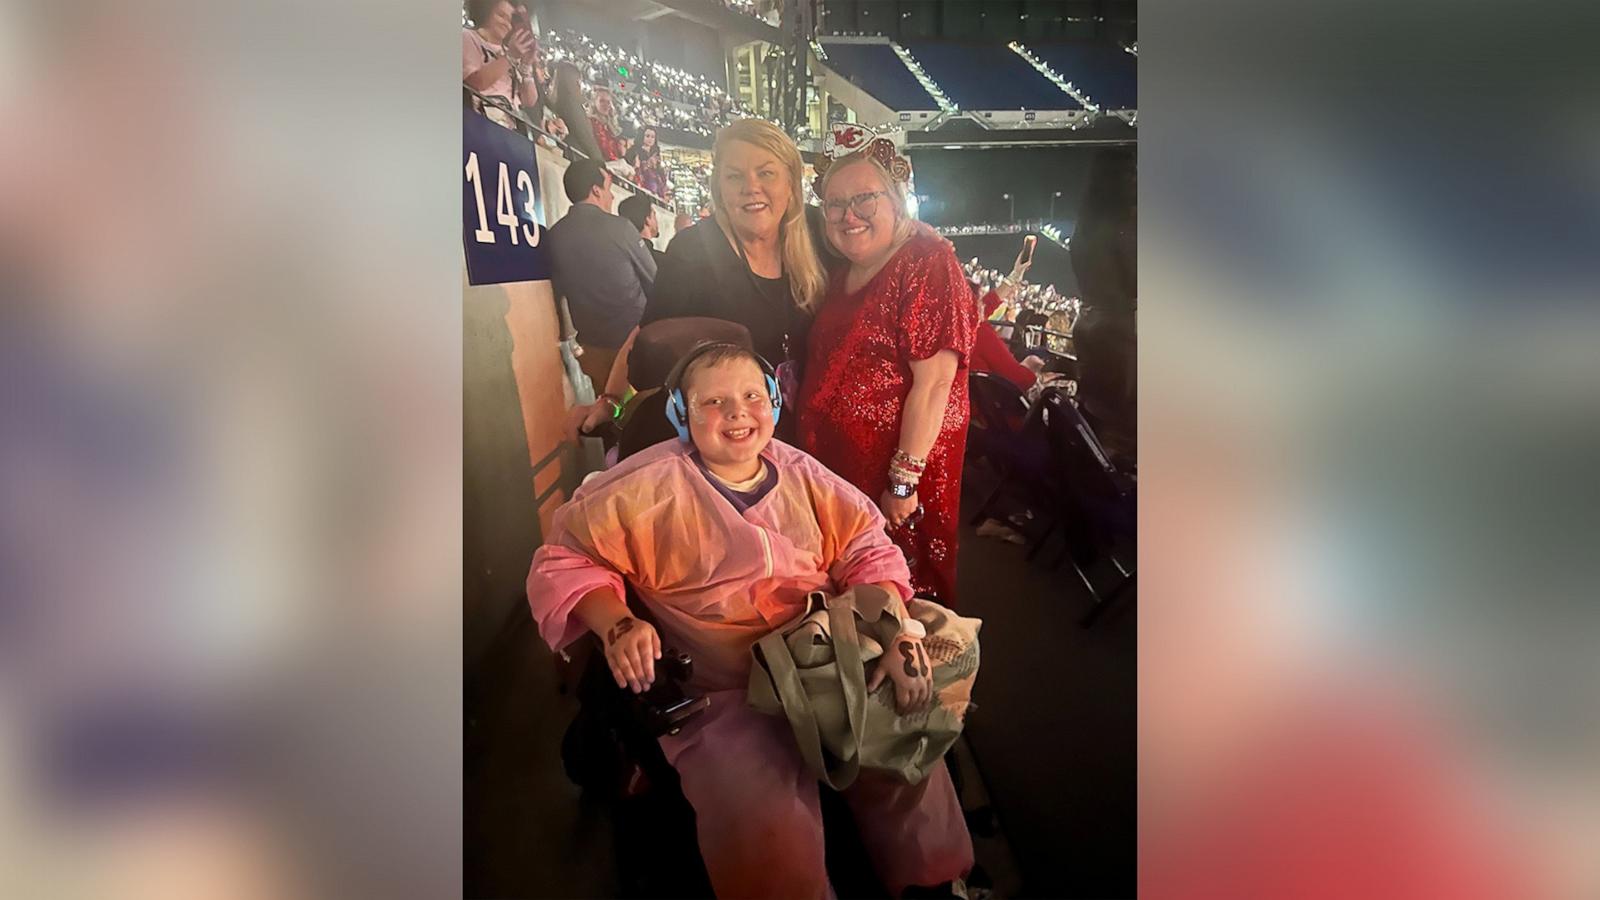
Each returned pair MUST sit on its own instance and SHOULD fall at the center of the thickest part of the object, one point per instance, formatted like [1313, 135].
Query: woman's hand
[632, 648]
[583, 420]
[897, 509]
[1021, 267]
[905, 663]
[518, 44]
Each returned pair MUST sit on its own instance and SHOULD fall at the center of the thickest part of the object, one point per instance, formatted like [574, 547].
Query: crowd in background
[605, 102]
[753, 10]
[648, 92]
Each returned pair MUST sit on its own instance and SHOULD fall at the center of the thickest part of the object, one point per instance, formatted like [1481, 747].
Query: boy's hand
[905, 663]
[632, 648]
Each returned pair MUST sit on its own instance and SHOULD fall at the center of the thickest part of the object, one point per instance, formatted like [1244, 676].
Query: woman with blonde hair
[884, 402]
[756, 261]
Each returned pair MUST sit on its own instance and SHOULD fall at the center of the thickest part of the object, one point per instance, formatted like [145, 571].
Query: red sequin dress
[609, 143]
[857, 376]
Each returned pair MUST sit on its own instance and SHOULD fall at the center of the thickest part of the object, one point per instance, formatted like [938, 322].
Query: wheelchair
[610, 750]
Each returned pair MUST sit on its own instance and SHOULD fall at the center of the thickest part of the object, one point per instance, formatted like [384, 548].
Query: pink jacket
[714, 581]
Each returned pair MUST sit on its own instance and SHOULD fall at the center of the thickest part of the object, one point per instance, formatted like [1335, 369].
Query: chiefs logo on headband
[846, 140]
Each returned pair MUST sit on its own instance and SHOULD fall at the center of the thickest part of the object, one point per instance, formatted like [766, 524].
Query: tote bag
[813, 672]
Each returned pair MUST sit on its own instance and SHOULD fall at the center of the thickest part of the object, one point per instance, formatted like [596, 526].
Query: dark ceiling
[1108, 21]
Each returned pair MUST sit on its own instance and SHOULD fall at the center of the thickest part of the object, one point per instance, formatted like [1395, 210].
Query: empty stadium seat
[988, 76]
[877, 69]
[1108, 75]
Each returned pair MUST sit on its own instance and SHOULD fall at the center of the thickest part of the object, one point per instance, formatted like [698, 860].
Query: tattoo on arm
[926, 668]
[618, 630]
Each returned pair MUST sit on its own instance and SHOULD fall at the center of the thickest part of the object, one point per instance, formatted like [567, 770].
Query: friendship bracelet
[910, 462]
[903, 477]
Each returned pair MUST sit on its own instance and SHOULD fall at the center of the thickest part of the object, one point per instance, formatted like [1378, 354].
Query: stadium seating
[1108, 75]
[877, 70]
[988, 76]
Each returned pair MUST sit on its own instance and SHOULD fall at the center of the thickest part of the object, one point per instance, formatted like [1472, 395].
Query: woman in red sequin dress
[887, 367]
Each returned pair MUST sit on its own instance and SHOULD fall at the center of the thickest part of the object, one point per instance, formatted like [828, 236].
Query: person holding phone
[497, 57]
[990, 353]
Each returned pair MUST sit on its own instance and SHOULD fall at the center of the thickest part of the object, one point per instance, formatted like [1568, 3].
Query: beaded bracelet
[905, 476]
[909, 461]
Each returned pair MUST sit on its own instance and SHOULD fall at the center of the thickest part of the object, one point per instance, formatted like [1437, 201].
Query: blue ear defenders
[678, 407]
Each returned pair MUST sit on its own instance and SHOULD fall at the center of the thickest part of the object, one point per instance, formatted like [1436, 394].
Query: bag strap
[802, 718]
[847, 662]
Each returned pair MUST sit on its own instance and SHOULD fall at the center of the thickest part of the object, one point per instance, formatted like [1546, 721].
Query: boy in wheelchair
[723, 533]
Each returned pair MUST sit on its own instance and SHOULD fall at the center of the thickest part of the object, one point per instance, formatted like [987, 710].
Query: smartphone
[1027, 248]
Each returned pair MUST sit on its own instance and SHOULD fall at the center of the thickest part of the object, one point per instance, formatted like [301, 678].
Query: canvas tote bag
[813, 672]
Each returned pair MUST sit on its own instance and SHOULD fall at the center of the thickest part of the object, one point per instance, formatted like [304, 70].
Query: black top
[702, 275]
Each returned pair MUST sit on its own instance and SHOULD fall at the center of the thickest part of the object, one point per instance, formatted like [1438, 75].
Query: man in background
[642, 213]
[601, 266]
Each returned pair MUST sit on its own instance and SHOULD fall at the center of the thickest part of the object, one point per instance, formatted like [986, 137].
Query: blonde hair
[896, 189]
[807, 280]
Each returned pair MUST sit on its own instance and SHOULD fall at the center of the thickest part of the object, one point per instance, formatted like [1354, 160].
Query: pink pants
[760, 822]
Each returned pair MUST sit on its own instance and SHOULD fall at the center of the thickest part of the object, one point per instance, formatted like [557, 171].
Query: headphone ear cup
[776, 395]
[675, 415]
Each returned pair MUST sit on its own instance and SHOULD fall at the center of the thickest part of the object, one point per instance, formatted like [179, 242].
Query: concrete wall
[515, 395]
[512, 397]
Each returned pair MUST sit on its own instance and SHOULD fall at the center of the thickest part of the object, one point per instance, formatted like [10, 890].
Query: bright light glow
[911, 205]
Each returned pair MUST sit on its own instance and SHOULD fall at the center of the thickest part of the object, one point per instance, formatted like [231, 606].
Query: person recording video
[498, 57]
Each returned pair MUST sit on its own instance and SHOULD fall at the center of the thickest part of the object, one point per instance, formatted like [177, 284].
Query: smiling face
[851, 191]
[498, 27]
[754, 186]
[604, 105]
[730, 415]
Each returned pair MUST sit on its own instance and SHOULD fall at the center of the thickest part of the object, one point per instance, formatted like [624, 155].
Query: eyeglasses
[863, 205]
